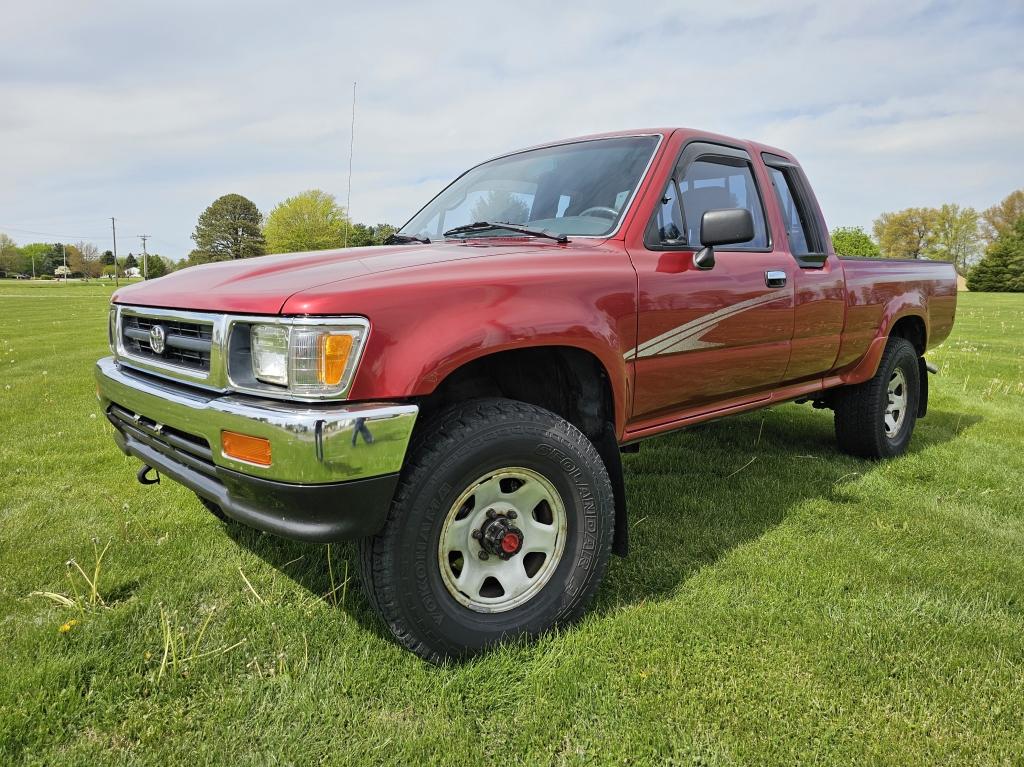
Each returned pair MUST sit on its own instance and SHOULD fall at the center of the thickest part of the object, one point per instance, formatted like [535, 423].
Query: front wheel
[501, 527]
[876, 419]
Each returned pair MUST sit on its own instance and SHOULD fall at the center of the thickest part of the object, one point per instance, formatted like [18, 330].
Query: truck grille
[186, 344]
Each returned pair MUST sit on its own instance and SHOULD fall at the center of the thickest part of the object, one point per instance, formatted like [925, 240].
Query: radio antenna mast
[351, 144]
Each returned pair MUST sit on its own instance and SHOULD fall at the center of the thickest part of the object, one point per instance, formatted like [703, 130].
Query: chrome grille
[186, 344]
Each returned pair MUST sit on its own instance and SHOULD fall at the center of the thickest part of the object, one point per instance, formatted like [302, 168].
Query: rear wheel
[876, 419]
[501, 527]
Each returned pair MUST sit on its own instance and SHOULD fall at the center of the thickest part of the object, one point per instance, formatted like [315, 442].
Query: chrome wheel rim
[516, 499]
[896, 407]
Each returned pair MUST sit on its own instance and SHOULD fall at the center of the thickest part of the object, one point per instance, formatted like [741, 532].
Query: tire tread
[437, 436]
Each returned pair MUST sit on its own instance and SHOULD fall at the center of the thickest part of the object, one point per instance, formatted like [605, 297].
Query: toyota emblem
[157, 338]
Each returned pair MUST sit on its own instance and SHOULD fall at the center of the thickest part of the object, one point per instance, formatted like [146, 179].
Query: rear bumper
[333, 470]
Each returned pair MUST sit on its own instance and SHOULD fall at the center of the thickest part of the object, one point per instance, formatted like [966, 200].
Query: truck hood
[263, 285]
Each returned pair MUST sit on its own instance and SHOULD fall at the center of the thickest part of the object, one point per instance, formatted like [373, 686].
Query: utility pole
[113, 230]
[351, 145]
[64, 249]
[145, 266]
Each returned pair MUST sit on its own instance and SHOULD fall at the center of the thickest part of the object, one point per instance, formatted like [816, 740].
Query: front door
[709, 336]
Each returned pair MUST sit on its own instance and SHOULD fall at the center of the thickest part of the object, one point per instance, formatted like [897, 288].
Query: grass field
[783, 603]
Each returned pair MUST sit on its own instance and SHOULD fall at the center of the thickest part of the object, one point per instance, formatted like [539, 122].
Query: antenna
[351, 144]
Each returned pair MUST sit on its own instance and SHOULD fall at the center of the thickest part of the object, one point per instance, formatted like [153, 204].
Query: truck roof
[664, 132]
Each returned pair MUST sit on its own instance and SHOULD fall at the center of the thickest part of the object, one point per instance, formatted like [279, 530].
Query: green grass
[783, 603]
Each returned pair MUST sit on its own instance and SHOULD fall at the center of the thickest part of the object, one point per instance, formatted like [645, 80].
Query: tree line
[983, 246]
[49, 260]
[987, 247]
[233, 227]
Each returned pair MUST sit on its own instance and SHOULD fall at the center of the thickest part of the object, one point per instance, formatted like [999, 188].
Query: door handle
[775, 278]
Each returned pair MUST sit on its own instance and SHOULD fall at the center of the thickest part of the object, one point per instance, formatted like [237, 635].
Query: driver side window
[710, 183]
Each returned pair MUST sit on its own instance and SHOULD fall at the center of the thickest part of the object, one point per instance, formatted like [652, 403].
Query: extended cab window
[806, 241]
[709, 184]
[792, 216]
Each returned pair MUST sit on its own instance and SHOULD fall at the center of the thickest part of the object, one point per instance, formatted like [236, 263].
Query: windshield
[573, 189]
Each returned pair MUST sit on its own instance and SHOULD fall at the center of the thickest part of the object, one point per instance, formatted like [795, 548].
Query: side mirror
[727, 226]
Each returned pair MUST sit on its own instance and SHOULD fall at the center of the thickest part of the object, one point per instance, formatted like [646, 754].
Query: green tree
[362, 235]
[1001, 218]
[107, 259]
[854, 241]
[156, 266]
[130, 261]
[955, 237]
[1002, 268]
[311, 220]
[39, 258]
[230, 228]
[11, 257]
[504, 207]
[905, 234]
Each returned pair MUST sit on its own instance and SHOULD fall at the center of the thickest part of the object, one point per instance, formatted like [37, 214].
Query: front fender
[427, 323]
[412, 360]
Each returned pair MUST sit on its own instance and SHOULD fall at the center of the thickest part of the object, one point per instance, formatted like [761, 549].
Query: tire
[213, 508]
[479, 454]
[862, 426]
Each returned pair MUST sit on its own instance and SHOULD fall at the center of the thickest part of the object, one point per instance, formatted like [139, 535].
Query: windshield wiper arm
[405, 239]
[481, 226]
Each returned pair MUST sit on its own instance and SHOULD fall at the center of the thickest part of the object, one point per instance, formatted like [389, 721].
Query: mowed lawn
[782, 604]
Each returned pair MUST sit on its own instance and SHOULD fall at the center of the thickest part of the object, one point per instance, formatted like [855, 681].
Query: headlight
[306, 357]
[270, 354]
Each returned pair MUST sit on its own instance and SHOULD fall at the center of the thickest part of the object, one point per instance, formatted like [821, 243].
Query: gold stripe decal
[688, 337]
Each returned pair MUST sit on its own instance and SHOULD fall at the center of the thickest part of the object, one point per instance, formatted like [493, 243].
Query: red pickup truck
[458, 401]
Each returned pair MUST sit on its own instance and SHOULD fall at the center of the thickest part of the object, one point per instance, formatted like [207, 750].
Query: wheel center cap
[500, 537]
[511, 543]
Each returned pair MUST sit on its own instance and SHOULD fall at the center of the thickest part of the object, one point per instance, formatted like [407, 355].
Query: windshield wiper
[405, 239]
[481, 226]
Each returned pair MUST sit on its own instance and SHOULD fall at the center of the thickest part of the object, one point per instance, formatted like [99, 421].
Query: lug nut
[511, 514]
[491, 513]
[484, 554]
[477, 535]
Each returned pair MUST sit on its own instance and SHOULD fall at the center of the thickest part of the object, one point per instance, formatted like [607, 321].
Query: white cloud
[149, 111]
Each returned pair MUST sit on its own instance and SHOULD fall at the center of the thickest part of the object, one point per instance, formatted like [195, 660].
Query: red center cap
[510, 543]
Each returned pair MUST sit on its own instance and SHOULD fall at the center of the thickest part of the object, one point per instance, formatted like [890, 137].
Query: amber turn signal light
[242, 447]
[334, 351]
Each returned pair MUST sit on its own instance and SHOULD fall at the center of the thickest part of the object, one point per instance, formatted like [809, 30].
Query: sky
[148, 111]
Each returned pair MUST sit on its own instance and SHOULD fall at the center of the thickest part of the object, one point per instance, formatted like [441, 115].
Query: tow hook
[146, 480]
[931, 367]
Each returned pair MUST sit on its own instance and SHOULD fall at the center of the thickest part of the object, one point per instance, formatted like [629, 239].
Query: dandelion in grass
[68, 626]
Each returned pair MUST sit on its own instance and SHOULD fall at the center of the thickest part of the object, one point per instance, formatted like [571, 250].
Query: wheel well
[569, 382]
[911, 328]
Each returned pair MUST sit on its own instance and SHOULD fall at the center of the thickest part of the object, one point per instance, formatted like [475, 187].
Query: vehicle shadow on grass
[697, 494]
[693, 496]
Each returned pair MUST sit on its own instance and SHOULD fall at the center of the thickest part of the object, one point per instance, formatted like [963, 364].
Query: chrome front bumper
[309, 443]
